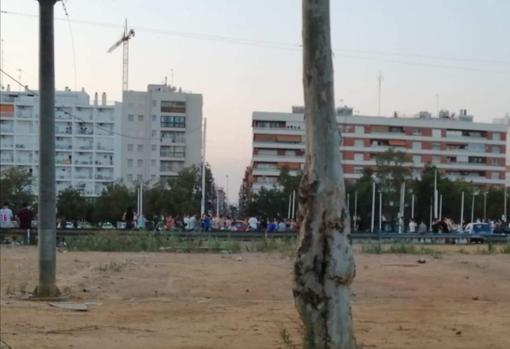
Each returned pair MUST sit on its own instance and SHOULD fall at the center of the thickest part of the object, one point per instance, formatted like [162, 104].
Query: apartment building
[458, 146]
[161, 133]
[84, 139]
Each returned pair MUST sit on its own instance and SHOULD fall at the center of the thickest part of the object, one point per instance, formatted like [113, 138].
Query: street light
[485, 206]
[475, 193]
[374, 179]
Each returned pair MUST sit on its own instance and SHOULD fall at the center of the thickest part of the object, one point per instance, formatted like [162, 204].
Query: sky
[244, 56]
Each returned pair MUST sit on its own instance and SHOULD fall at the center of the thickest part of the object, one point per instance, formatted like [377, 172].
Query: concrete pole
[435, 194]
[380, 211]
[462, 209]
[293, 204]
[47, 200]
[373, 208]
[355, 210]
[349, 203]
[440, 207]
[141, 201]
[412, 206]
[202, 202]
[430, 218]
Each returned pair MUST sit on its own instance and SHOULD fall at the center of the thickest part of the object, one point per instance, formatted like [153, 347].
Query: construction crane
[124, 40]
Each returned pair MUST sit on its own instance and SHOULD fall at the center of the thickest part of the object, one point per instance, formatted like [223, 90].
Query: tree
[113, 202]
[14, 187]
[391, 173]
[71, 205]
[324, 266]
[268, 203]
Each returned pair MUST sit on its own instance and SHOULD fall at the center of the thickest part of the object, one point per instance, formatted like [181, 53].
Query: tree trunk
[324, 266]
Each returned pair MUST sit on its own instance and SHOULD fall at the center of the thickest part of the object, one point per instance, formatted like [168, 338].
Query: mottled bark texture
[324, 266]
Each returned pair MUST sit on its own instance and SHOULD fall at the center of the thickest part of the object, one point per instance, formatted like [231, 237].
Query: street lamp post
[484, 206]
[372, 222]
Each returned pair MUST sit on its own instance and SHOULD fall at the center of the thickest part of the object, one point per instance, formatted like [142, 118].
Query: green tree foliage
[268, 203]
[14, 188]
[71, 205]
[113, 202]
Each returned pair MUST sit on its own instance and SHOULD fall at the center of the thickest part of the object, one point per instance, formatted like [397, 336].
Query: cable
[288, 46]
[72, 43]
[87, 121]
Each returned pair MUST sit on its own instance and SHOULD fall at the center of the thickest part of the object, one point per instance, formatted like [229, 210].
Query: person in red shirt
[24, 217]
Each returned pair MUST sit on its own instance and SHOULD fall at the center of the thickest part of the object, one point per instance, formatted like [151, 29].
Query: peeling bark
[324, 266]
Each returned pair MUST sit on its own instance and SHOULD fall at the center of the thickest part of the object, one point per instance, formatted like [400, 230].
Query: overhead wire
[343, 52]
[112, 132]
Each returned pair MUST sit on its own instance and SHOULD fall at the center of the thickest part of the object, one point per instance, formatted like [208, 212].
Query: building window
[436, 159]
[416, 145]
[359, 129]
[416, 159]
[139, 177]
[130, 147]
[130, 163]
[359, 143]
[173, 107]
[416, 131]
[358, 157]
[173, 136]
[131, 117]
[139, 163]
[140, 117]
[496, 136]
[436, 133]
[436, 146]
[173, 121]
[139, 148]
[154, 147]
[130, 177]
[172, 151]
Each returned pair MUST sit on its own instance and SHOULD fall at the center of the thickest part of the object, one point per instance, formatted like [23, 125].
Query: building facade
[161, 133]
[456, 145]
[84, 141]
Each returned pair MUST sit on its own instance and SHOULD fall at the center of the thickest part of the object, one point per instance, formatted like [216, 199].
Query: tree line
[390, 171]
[177, 196]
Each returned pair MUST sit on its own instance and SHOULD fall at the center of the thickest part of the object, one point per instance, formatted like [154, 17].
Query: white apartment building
[84, 139]
[457, 146]
[161, 133]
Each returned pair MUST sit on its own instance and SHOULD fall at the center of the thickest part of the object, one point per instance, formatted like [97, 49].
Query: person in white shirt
[253, 223]
[412, 226]
[6, 216]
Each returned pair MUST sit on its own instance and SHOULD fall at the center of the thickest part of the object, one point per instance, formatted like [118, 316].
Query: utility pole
[473, 209]
[435, 194]
[372, 222]
[202, 202]
[412, 206]
[380, 211]
[462, 209]
[484, 206]
[504, 204]
[356, 211]
[47, 201]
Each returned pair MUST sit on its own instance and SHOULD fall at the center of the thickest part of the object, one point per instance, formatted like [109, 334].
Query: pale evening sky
[456, 52]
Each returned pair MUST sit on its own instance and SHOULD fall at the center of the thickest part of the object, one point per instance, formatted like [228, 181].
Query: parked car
[107, 225]
[478, 231]
[239, 225]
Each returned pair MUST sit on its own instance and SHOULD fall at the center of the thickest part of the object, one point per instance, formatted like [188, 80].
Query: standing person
[412, 226]
[253, 223]
[140, 222]
[129, 217]
[25, 216]
[6, 216]
[422, 228]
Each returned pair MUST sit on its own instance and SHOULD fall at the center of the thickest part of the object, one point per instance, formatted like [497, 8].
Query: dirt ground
[168, 300]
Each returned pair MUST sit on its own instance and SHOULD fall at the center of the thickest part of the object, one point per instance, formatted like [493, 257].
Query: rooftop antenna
[124, 40]
[379, 81]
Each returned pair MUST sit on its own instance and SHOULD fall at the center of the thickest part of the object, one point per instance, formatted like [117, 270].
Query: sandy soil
[165, 300]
